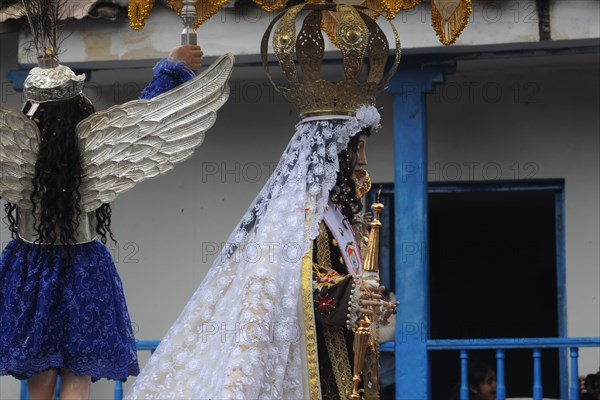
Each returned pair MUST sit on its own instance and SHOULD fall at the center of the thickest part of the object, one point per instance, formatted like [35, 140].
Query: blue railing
[142, 345]
[501, 345]
[463, 346]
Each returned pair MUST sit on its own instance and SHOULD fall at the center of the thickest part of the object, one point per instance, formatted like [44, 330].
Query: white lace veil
[241, 334]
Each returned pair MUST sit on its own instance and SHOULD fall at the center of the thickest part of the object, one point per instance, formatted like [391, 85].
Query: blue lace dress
[66, 310]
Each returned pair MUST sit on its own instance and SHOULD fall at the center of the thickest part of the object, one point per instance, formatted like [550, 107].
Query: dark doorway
[493, 274]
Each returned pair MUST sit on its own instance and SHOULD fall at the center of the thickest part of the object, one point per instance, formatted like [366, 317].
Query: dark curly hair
[11, 219]
[477, 374]
[56, 197]
[344, 192]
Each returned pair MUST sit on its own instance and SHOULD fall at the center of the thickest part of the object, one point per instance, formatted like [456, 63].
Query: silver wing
[141, 139]
[19, 144]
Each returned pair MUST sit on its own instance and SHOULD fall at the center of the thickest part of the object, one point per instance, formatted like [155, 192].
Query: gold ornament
[363, 183]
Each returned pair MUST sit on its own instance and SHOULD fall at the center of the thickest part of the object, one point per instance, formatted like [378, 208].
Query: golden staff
[362, 333]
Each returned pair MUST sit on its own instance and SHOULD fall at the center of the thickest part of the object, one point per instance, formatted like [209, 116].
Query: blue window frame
[392, 254]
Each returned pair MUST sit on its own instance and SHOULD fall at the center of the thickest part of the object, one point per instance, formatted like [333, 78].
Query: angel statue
[62, 308]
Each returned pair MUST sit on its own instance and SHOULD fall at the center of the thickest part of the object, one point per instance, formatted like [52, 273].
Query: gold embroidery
[340, 361]
[334, 336]
[309, 327]
[323, 252]
[325, 279]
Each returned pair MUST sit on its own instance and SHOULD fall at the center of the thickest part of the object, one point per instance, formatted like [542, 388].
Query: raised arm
[174, 70]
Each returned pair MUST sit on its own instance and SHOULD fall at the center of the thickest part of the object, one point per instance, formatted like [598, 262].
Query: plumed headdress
[49, 81]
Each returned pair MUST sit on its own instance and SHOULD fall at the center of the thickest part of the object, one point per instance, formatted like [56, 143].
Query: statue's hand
[372, 298]
[189, 54]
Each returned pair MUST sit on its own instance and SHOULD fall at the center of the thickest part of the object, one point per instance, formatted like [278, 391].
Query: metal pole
[189, 16]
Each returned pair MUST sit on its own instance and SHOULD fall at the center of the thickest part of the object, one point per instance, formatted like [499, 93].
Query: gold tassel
[206, 9]
[328, 25]
[448, 29]
[373, 8]
[273, 5]
[176, 5]
[393, 7]
[138, 11]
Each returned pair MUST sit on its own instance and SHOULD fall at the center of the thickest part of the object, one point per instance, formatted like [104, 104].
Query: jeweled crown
[359, 39]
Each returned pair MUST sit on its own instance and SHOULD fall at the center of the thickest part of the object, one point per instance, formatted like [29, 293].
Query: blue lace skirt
[63, 311]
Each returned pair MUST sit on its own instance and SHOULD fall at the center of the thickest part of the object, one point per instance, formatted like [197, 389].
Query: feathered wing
[19, 144]
[141, 139]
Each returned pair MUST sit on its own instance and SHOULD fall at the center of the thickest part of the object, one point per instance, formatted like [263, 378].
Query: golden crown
[357, 36]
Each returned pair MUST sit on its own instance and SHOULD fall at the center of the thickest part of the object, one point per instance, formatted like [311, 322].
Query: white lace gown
[242, 334]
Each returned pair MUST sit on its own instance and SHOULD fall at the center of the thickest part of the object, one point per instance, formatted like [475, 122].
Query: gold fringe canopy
[449, 17]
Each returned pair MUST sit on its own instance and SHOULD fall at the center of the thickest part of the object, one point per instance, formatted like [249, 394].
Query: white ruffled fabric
[241, 334]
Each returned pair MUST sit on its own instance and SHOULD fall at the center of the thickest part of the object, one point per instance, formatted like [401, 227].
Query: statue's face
[361, 155]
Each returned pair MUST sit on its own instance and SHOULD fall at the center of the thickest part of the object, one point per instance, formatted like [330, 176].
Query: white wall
[165, 226]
